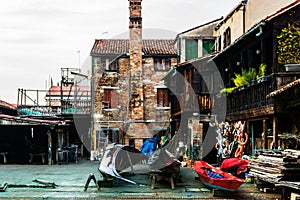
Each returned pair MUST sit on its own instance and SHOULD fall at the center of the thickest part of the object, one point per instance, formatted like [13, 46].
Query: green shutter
[191, 49]
[208, 47]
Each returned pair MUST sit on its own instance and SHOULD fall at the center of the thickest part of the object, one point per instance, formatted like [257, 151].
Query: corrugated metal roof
[121, 46]
[29, 120]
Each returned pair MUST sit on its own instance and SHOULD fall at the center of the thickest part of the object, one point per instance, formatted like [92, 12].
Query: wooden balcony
[251, 100]
[250, 96]
[200, 103]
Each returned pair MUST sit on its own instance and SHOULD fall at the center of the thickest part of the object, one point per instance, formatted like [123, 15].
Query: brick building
[131, 103]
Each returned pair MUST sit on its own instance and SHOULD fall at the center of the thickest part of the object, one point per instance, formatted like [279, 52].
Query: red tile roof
[284, 88]
[54, 91]
[121, 47]
[8, 105]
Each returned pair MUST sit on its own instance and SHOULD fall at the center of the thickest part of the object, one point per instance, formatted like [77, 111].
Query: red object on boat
[215, 178]
[241, 164]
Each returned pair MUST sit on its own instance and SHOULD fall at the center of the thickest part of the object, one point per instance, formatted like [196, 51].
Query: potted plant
[288, 48]
[241, 81]
[261, 73]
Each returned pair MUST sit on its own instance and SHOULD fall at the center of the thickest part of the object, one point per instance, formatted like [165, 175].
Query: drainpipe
[244, 2]
[92, 106]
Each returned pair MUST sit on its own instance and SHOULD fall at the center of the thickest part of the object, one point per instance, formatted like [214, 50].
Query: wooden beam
[275, 136]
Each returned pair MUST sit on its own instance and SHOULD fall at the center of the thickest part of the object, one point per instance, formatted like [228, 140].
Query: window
[191, 49]
[162, 97]
[208, 46]
[112, 136]
[109, 99]
[162, 64]
[227, 38]
[131, 142]
[204, 101]
[197, 81]
[206, 86]
[110, 64]
[219, 43]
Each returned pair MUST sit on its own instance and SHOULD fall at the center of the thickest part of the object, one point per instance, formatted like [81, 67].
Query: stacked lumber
[276, 166]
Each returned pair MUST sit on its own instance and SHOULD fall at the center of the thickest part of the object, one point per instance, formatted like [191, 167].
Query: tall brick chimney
[136, 68]
[137, 129]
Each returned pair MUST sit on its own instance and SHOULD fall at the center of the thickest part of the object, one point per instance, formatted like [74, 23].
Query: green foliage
[241, 79]
[227, 90]
[262, 70]
[245, 78]
[289, 44]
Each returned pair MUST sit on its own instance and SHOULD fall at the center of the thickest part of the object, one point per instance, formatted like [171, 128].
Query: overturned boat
[117, 158]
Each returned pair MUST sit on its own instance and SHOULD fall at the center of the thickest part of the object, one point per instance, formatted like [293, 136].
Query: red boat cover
[216, 177]
[240, 163]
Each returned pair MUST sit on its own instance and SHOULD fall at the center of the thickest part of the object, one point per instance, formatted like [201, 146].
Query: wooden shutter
[191, 49]
[162, 98]
[110, 98]
[113, 100]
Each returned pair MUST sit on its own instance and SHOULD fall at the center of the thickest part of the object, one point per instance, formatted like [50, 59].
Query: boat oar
[46, 183]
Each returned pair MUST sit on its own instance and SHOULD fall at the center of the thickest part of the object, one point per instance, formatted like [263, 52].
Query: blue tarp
[150, 145]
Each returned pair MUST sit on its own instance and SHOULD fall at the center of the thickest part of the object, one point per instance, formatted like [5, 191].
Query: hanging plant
[288, 48]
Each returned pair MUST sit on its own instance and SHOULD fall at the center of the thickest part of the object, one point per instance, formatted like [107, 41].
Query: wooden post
[275, 137]
[252, 137]
[265, 130]
[49, 147]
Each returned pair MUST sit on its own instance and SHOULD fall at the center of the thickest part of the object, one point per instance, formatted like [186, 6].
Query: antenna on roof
[106, 34]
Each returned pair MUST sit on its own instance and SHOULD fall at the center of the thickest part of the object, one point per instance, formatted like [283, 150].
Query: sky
[39, 37]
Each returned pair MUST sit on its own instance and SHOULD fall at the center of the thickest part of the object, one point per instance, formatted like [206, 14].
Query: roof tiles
[121, 46]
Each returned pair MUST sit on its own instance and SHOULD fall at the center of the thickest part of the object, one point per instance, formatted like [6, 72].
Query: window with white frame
[109, 99]
[162, 64]
[110, 64]
[162, 97]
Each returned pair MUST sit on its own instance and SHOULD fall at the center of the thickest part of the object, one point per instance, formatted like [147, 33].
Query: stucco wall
[259, 9]
[235, 22]
[203, 32]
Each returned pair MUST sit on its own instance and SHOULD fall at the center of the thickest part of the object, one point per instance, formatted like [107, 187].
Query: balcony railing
[255, 95]
[197, 103]
[250, 96]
